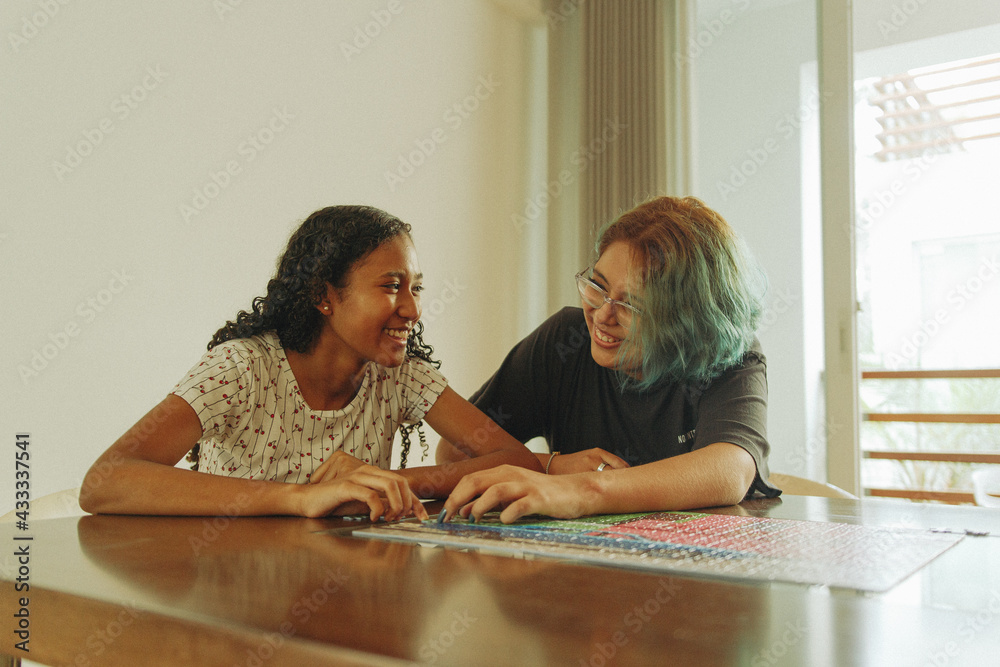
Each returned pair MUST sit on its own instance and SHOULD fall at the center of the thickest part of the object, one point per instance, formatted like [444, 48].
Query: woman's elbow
[88, 503]
[96, 486]
[90, 500]
[733, 495]
[735, 476]
[742, 479]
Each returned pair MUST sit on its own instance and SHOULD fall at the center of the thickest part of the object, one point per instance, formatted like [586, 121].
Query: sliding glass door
[927, 230]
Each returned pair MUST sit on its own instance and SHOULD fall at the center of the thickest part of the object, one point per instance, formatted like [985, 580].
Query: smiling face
[617, 273]
[372, 317]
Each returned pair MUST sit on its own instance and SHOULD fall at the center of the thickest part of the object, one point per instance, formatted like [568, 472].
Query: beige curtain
[616, 120]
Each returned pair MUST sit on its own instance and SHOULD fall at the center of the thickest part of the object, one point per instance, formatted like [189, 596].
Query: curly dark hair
[322, 251]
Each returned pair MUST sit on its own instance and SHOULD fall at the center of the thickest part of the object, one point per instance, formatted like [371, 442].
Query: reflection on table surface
[295, 582]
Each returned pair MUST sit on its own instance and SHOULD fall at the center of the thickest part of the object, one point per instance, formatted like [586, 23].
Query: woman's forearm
[130, 486]
[716, 475]
[448, 453]
[439, 480]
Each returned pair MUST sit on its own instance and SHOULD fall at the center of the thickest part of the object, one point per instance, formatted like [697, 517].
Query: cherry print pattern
[263, 429]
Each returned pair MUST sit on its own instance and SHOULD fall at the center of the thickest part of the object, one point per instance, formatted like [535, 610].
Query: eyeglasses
[596, 296]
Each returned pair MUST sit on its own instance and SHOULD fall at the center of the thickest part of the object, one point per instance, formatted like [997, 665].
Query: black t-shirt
[549, 385]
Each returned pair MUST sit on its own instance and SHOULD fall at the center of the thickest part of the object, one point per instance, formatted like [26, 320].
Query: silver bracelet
[551, 456]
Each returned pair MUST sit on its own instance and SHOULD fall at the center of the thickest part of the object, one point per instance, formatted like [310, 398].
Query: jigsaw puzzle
[742, 547]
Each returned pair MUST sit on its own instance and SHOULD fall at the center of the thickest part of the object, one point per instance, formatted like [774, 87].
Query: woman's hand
[386, 494]
[520, 492]
[586, 461]
[338, 465]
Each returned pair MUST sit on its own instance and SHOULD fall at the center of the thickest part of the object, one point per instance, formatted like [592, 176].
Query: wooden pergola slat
[952, 497]
[931, 374]
[933, 417]
[948, 457]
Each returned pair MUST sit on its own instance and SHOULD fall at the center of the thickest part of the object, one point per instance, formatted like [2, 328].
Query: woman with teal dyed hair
[652, 395]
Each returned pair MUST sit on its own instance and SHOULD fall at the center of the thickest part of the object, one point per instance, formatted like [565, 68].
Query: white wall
[748, 116]
[334, 121]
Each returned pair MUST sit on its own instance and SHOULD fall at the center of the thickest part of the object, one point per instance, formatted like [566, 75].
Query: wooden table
[278, 591]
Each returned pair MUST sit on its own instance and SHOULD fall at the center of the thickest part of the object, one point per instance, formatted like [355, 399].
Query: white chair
[986, 487]
[800, 486]
[52, 506]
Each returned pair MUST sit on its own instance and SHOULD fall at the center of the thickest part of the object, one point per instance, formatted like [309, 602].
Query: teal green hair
[702, 292]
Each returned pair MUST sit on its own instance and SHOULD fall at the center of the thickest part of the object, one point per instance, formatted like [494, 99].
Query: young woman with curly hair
[653, 396]
[294, 408]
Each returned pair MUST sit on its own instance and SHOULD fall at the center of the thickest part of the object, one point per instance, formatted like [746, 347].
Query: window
[928, 276]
